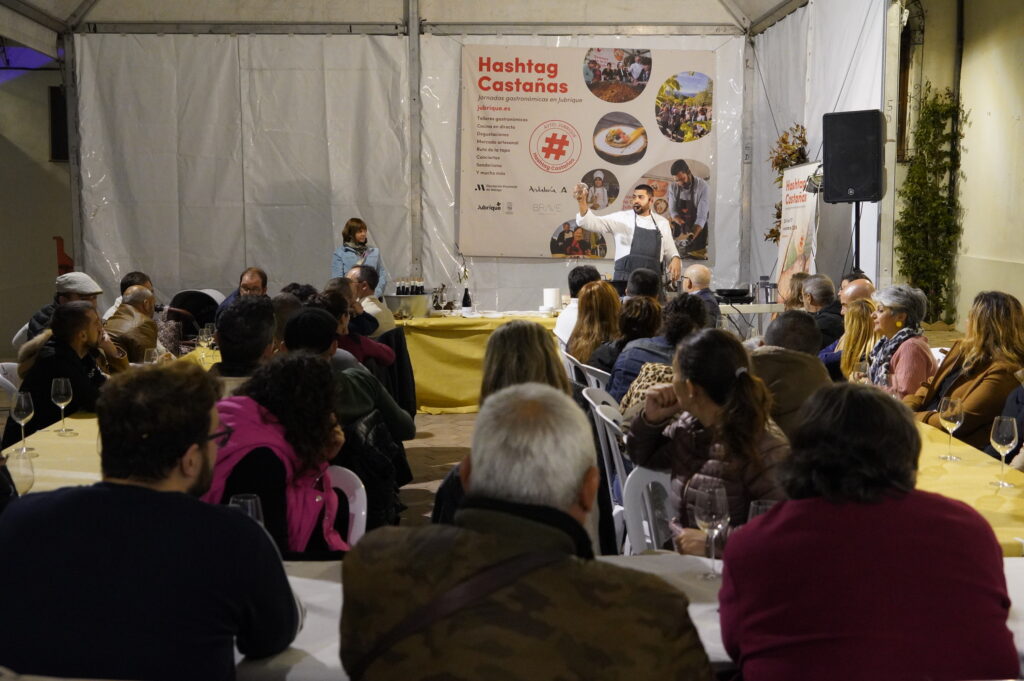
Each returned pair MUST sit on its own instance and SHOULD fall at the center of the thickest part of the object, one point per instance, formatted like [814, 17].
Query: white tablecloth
[314, 654]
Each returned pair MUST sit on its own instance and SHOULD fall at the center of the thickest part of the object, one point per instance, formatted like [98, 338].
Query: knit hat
[77, 282]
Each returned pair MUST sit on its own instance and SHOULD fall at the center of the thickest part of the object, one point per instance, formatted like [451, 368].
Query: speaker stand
[856, 235]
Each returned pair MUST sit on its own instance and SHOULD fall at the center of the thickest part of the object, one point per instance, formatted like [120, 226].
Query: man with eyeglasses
[252, 282]
[134, 577]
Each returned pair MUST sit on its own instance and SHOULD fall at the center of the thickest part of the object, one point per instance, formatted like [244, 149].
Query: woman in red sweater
[859, 575]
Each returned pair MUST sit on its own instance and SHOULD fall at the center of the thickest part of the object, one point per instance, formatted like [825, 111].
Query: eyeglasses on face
[221, 437]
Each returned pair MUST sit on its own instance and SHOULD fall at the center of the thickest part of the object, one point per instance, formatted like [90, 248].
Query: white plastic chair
[9, 371]
[595, 377]
[639, 510]
[612, 419]
[939, 354]
[597, 397]
[574, 368]
[349, 483]
[20, 338]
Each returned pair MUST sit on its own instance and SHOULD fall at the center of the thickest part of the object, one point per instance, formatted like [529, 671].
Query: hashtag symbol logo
[554, 146]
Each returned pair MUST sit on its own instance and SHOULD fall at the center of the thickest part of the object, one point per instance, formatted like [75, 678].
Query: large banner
[537, 120]
[798, 241]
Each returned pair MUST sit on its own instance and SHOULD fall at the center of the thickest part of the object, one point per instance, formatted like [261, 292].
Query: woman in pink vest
[284, 435]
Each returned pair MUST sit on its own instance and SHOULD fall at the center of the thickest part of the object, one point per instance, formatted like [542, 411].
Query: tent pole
[69, 67]
[890, 98]
[412, 23]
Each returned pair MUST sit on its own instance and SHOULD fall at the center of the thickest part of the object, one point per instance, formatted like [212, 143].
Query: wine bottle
[467, 302]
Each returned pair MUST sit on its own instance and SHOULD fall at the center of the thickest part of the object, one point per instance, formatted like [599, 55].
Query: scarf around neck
[358, 248]
[885, 348]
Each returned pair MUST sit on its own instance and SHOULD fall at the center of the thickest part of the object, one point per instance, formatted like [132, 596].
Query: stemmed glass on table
[1003, 439]
[951, 416]
[60, 393]
[249, 504]
[710, 513]
[22, 412]
[203, 340]
[19, 465]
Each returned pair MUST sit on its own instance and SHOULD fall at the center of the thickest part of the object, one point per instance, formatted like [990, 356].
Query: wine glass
[209, 329]
[759, 507]
[60, 393]
[951, 416]
[249, 504]
[150, 356]
[711, 514]
[1003, 439]
[203, 340]
[22, 412]
[19, 465]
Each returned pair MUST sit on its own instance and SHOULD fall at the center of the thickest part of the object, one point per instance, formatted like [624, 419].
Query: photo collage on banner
[535, 121]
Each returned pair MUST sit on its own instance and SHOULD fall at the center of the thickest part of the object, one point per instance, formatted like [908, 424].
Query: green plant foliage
[929, 225]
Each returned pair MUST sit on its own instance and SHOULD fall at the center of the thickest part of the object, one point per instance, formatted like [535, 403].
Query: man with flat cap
[69, 287]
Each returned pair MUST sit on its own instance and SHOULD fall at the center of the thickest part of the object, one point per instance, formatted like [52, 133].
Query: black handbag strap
[462, 595]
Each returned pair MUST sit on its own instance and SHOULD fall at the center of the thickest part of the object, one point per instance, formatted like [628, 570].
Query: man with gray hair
[820, 300]
[514, 578]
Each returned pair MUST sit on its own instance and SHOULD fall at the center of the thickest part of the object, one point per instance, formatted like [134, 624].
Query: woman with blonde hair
[843, 357]
[978, 369]
[598, 320]
[517, 352]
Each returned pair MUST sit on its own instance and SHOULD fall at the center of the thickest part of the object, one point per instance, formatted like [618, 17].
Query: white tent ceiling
[37, 22]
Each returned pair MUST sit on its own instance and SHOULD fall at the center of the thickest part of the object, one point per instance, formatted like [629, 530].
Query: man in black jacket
[69, 353]
[145, 580]
[69, 287]
[821, 301]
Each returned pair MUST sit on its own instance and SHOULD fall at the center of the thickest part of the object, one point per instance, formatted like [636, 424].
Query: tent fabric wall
[517, 283]
[825, 57]
[205, 154]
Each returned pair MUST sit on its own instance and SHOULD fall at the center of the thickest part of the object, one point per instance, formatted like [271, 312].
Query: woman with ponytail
[712, 422]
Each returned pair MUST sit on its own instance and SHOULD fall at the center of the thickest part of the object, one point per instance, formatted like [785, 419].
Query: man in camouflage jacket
[531, 482]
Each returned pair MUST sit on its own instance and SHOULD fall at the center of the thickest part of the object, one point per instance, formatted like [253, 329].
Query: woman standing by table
[356, 250]
[979, 369]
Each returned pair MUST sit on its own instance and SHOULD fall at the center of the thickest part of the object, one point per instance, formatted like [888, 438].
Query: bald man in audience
[131, 327]
[552, 611]
[858, 289]
[697, 281]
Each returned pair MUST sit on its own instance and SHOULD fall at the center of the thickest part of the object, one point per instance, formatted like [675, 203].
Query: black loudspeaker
[853, 142]
[58, 125]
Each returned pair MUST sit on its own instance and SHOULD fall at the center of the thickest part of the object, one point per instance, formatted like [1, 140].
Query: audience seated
[820, 300]
[855, 274]
[131, 327]
[789, 366]
[70, 352]
[846, 356]
[597, 323]
[353, 348]
[127, 281]
[712, 422]
[285, 305]
[245, 336]
[683, 315]
[149, 583]
[283, 434]
[644, 282]
[859, 575]
[252, 282]
[304, 292]
[359, 320]
[979, 370]
[697, 282]
[640, 317]
[795, 301]
[517, 352]
[364, 282]
[579, 277]
[357, 392]
[1013, 408]
[856, 289]
[901, 359]
[566, 613]
[69, 287]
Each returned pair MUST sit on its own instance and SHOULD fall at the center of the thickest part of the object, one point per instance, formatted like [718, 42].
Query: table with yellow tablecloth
[447, 356]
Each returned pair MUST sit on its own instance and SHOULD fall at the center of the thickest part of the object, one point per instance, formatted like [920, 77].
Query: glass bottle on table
[951, 416]
[22, 412]
[60, 393]
[1004, 440]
